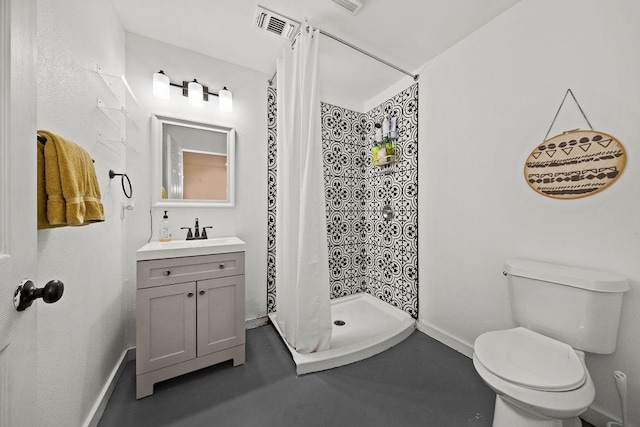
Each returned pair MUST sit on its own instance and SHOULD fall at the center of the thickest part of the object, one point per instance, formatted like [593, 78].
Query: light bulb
[195, 92]
[161, 85]
[225, 100]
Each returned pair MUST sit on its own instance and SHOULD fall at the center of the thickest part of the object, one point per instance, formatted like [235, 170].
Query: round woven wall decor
[575, 164]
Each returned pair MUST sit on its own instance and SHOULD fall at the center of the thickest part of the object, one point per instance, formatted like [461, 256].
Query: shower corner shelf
[391, 159]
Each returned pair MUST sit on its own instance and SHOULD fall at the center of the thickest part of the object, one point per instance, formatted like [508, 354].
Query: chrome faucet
[196, 235]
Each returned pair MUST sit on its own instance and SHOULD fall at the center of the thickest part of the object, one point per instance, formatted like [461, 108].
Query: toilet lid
[530, 359]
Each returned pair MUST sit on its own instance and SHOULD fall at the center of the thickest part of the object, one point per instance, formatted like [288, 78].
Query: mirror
[194, 163]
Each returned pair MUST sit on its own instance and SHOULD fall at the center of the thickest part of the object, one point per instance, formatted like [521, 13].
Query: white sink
[181, 248]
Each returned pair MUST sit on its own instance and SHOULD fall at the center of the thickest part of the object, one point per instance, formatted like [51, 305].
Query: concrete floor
[419, 382]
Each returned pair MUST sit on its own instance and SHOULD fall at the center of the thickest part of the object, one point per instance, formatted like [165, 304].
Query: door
[18, 238]
[220, 314]
[165, 326]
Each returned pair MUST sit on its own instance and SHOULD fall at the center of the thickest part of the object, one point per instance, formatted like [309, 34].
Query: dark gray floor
[419, 382]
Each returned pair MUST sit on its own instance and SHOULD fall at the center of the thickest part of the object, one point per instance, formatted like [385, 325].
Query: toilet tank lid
[593, 280]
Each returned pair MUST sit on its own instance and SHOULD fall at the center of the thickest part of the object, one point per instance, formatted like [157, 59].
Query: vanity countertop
[183, 248]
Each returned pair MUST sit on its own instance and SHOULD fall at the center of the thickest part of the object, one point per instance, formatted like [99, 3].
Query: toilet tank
[577, 306]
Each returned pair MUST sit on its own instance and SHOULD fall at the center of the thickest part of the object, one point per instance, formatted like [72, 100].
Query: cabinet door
[220, 314]
[166, 326]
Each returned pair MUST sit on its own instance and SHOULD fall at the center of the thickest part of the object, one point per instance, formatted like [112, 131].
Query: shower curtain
[302, 265]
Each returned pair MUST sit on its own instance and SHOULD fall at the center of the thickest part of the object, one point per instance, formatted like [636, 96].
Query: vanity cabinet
[190, 314]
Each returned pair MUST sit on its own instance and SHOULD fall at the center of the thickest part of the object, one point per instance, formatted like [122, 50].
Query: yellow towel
[70, 184]
[42, 193]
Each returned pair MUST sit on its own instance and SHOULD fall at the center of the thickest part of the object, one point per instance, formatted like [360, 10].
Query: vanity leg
[239, 356]
[144, 386]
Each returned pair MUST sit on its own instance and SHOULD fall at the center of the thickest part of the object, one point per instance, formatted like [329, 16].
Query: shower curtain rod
[370, 55]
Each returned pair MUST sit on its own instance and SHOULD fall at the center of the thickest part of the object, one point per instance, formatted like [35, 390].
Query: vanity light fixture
[225, 100]
[161, 85]
[196, 92]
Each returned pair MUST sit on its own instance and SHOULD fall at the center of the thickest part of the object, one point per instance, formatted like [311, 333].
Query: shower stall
[372, 258]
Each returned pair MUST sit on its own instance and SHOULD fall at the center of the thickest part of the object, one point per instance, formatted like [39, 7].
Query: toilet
[537, 369]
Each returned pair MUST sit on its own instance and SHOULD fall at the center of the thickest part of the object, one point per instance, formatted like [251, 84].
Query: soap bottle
[374, 153]
[165, 229]
[388, 146]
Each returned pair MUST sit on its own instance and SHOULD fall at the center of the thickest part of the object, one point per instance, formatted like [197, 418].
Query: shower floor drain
[339, 323]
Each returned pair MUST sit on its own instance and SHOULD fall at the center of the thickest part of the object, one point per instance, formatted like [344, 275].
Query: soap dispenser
[165, 229]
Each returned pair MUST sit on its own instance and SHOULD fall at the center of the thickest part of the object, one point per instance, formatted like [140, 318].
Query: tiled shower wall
[366, 253]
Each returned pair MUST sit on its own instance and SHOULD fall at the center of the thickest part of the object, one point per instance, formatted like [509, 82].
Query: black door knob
[52, 291]
[27, 292]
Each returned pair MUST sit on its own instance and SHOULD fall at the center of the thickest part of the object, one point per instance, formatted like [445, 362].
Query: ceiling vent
[275, 23]
[351, 6]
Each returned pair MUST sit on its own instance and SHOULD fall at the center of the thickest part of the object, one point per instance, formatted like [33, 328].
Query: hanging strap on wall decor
[560, 108]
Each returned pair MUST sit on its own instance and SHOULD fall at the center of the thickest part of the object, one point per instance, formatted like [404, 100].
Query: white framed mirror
[193, 163]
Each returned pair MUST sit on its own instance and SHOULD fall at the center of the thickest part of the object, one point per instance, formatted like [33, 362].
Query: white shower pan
[370, 327]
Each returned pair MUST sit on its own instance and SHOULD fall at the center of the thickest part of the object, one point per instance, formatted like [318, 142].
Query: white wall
[248, 219]
[484, 105]
[82, 336]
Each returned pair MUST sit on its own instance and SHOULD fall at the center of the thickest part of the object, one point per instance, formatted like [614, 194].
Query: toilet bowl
[538, 369]
[538, 381]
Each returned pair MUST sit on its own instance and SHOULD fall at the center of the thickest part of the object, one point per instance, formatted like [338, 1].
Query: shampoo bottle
[374, 153]
[165, 229]
[392, 127]
[378, 137]
[385, 127]
[388, 147]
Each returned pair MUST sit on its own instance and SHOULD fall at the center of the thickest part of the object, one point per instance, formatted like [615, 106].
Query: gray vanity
[190, 308]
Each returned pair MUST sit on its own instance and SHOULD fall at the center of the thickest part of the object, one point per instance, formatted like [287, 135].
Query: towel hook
[122, 176]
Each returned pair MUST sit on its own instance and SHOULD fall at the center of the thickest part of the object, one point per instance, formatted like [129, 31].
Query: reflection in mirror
[194, 163]
[200, 168]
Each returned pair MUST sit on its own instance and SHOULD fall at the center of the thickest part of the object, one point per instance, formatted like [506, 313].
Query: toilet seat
[531, 360]
[550, 404]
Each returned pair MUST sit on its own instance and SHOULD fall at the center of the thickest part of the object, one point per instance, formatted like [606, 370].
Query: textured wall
[82, 336]
[366, 253]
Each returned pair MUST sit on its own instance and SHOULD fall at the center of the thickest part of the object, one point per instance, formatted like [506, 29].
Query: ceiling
[407, 33]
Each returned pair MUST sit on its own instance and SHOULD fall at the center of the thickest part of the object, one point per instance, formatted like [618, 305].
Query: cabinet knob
[221, 266]
[167, 272]
[190, 294]
[202, 292]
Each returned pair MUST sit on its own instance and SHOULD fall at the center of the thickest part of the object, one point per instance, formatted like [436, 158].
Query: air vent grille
[276, 25]
[351, 6]
[272, 22]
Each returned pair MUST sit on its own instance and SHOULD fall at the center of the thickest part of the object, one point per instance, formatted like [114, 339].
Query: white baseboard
[101, 403]
[599, 417]
[450, 341]
[256, 321]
